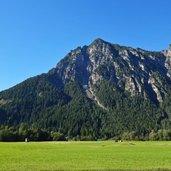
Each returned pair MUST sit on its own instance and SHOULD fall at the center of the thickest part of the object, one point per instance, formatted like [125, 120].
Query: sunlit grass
[94, 156]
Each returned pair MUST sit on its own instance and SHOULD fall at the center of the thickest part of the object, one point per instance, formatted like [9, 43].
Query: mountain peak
[167, 52]
[169, 47]
[98, 41]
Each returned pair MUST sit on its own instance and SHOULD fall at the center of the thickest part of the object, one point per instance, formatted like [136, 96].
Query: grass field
[96, 156]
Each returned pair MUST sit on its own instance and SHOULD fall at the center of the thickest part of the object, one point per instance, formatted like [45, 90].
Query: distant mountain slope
[101, 90]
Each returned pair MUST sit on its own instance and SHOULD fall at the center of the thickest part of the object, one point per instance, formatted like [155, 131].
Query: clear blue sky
[36, 34]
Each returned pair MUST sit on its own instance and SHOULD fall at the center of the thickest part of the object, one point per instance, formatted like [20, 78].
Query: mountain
[102, 90]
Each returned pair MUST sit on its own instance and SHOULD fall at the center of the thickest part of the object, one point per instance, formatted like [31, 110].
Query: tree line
[19, 134]
[14, 134]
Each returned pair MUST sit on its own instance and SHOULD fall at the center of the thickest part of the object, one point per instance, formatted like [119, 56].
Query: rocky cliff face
[167, 54]
[136, 71]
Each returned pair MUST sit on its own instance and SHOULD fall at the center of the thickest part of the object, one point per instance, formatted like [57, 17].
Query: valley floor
[87, 156]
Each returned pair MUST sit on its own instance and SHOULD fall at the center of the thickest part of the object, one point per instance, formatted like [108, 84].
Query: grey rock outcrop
[135, 70]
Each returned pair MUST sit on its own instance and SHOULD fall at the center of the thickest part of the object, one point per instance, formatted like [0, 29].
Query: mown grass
[85, 156]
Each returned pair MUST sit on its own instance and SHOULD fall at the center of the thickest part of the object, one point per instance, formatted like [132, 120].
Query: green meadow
[87, 156]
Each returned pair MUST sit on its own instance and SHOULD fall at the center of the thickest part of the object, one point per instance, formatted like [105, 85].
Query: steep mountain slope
[101, 90]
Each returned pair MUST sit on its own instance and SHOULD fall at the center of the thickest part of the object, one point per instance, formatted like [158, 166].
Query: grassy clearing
[92, 156]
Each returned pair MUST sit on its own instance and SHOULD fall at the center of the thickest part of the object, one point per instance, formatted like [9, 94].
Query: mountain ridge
[102, 90]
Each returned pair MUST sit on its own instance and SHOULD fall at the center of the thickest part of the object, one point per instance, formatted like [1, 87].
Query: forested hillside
[99, 91]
